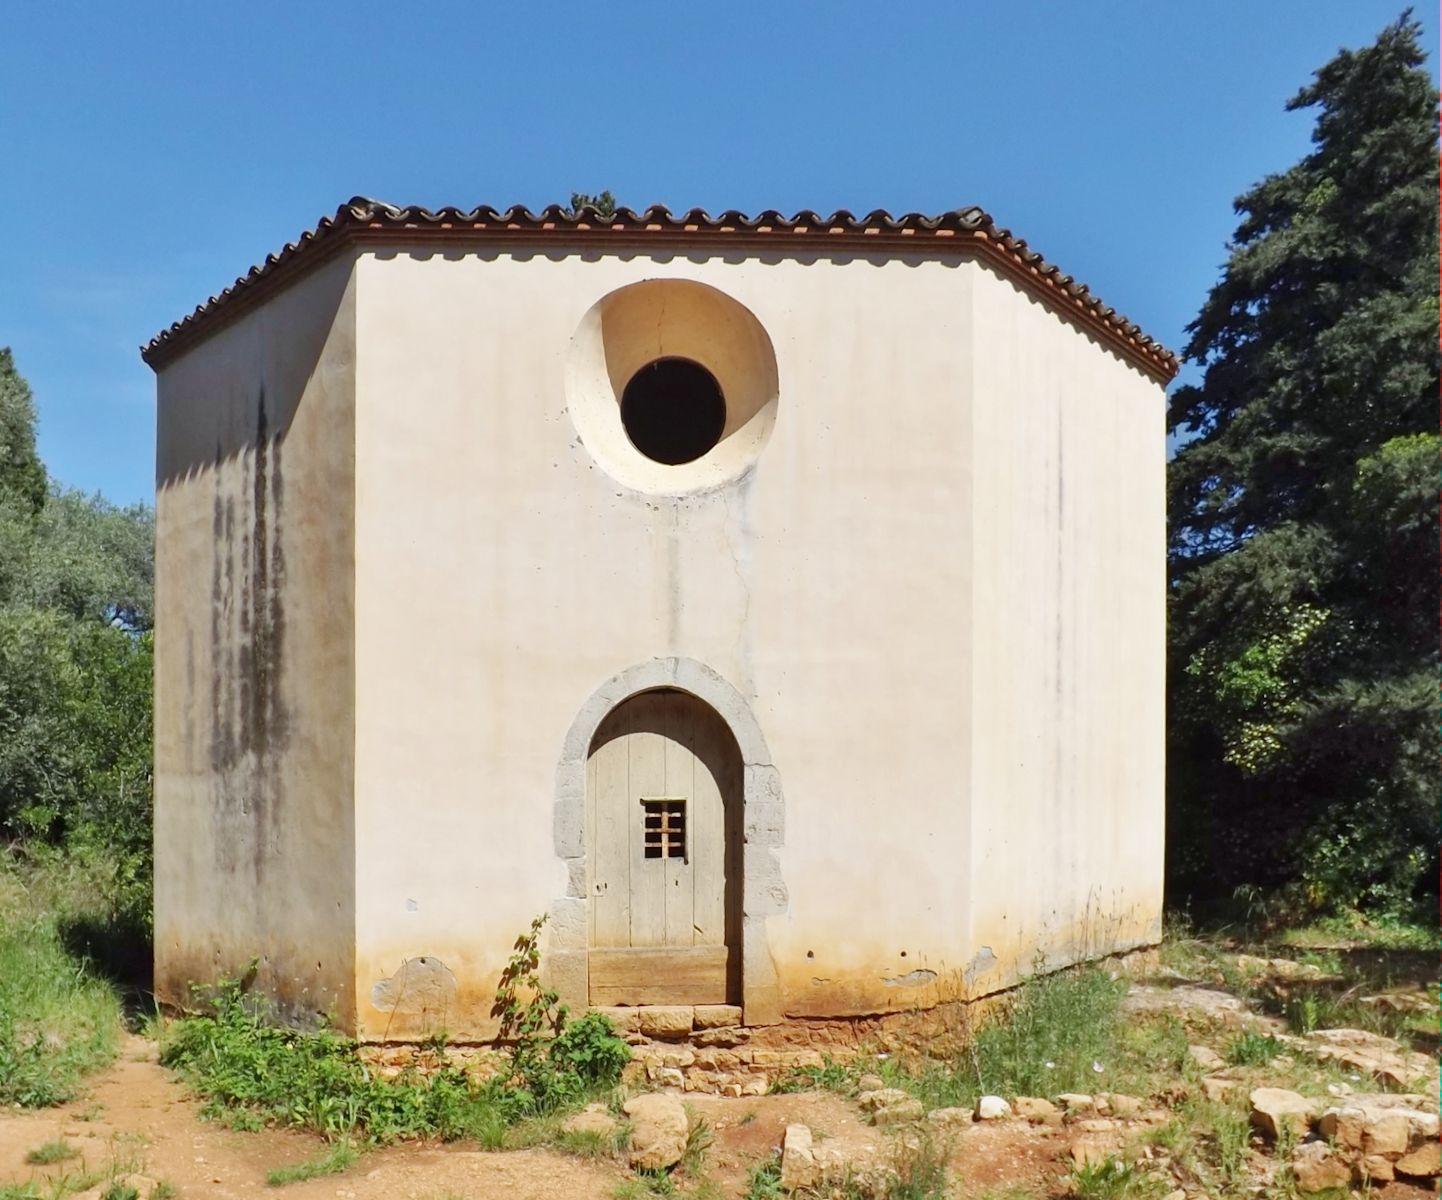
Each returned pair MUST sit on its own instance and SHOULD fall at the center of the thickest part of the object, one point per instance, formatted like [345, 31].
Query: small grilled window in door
[663, 826]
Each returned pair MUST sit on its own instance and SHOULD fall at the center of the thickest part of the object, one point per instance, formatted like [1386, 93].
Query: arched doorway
[663, 831]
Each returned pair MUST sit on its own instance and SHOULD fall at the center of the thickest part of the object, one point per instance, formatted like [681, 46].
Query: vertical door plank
[647, 758]
[708, 737]
[681, 716]
[610, 847]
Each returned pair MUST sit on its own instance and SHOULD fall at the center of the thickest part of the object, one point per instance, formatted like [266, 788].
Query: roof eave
[368, 223]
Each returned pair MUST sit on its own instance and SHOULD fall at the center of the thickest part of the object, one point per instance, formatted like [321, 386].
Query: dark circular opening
[673, 410]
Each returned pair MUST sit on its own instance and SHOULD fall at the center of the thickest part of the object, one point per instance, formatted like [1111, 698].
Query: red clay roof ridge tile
[365, 220]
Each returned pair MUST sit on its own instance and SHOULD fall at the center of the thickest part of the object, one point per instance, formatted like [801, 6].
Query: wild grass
[51, 1152]
[1110, 1179]
[340, 1156]
[1252, 1049]
[830, 1076]
[1060, 1033]
[58, 1020]
[1353, 930]
[699, 1139]
[764, 1181]
[920, 1167]
[253, 1073]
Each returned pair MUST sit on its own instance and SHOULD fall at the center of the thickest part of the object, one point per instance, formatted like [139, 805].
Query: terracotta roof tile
[362, 220]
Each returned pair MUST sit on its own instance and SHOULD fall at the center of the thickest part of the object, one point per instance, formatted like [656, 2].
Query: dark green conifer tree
[1303, 516]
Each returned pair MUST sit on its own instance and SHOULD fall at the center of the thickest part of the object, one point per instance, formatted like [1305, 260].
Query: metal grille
[663, 827]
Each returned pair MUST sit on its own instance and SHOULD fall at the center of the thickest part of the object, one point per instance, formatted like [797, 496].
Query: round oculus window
[673, 410]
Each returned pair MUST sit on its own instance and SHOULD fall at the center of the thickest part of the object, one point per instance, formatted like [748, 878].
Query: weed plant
[252, 1072]
[1060, 1033]
[335, 1160]
[830, 1077]
[1252, 1049]
[764, 1181]
[1110, 1179]
[51, 1152]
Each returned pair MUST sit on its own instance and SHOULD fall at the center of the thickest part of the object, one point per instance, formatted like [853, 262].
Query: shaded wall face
[254, 855]
[503, 575]
[1066, 773]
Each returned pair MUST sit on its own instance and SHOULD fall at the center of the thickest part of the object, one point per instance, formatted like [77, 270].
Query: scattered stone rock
[658, 1131]
[1076, 1102]
[881, 1098]
[1343, 1126]
[1389, 1134]
[1425, 1161]
[1098, 1125]
[951, 1116]
[1379, 1056]
[594, 1118]
[1119, 1104]
[1316, 1168]
[1037, 1110]
[870, 1083]
[1373, 1168]
[1206, 1058]
[898, 1113]
[798, 1161]
[1276, 1108]
[992, 1108]
[1370, 1121]
[1093, 1151]
[1412, 1001]
[1184, 1000]
[1217, 1088]
[668, 1077]
[891, 1106]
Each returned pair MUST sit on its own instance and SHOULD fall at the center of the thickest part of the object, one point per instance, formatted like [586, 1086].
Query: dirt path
[135, 1117]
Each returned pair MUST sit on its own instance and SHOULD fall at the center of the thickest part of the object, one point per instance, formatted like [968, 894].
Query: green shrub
[252, 1072]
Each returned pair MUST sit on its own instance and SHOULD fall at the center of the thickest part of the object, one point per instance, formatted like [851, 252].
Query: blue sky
[154, 152]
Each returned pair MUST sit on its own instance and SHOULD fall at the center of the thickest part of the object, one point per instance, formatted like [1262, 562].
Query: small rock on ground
[992, 1108]
[798, 1161]
[1426, 1161]
[1274, 1109]
[1037, 1110]
[1317, 1169]
[659, 1127]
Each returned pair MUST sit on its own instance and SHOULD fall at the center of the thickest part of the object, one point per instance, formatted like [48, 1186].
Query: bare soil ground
[136, 1116]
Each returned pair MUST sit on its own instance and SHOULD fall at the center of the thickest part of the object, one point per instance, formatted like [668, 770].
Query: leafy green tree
[1303, 515]
[22, 477]
[75, 663]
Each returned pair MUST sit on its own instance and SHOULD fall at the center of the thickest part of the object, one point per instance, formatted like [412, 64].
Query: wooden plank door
[663, 772]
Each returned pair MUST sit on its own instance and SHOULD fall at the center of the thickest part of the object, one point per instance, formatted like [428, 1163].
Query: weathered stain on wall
[249, 721]
[254, 684]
